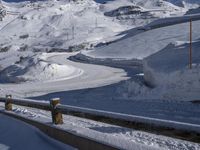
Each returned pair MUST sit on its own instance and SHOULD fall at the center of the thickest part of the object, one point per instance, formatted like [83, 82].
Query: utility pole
[73, 31]
[96, 23]
[190, 50]
[67, 36]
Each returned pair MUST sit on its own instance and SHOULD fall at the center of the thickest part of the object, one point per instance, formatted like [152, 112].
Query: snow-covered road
[28, 137]
[84, 76]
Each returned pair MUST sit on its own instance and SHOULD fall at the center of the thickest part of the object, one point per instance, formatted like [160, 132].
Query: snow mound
[37, 68]
[45, 71]
[169, 67]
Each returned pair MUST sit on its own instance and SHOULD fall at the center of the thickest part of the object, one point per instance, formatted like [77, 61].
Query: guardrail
[186, 131]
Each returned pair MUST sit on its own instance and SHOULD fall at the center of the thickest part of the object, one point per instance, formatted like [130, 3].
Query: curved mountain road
[86, 76]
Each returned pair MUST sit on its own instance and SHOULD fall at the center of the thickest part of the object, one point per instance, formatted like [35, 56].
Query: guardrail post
[8, 103]
[56, 115]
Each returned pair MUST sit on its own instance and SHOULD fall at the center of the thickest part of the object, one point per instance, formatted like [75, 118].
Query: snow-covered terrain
[185, 3]
[173, 76]
[123, 138]
[173, 70]
[84, 76]
[113, 55]
[38, 68]
[138, 45]
[29, 30]
[18, 135]
[63, 26]
[55, 25]
[140, 12]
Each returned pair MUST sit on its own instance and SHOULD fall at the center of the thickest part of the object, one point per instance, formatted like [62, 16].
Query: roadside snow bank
[169, 68]
[48, 71]
[18, 135]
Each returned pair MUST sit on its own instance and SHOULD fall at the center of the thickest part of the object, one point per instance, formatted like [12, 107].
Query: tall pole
[96, 23]
[73, 31]
[190, 51]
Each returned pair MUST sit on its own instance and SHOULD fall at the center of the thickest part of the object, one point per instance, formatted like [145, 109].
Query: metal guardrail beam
[68, 137]
[28, 103]
[186, 131]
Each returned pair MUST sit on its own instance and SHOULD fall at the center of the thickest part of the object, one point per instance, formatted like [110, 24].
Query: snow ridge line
[171, 21]
[181, 130]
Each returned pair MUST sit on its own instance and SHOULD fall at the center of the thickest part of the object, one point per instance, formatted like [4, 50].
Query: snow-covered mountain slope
[141, 12]
[56, 25]
[71, 26]
[165, 66]
[185, 3]
[139, 46]
[29, 29]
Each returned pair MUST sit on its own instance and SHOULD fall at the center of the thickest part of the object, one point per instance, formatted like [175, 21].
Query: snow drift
[37, 68]
[170, 68]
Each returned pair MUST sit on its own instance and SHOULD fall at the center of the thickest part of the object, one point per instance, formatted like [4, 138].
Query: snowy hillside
[32, 30]
[141, 12]
[150, 13]
[56, 25]
[168, 75]
[124, 56]
[70, 26]
[140, 45]
[28, 29]
[185, 3]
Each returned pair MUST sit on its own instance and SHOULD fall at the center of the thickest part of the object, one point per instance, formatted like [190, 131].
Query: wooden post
[8, 103]
[56, 116]
[190, 50]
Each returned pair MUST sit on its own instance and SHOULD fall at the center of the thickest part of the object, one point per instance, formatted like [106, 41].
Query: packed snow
[124, 56]
[164, 45]
[38, 68]
[56, 25]
[84, 76]
[122, 137]
[173, 70]
[28, 137]
[146, 43]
